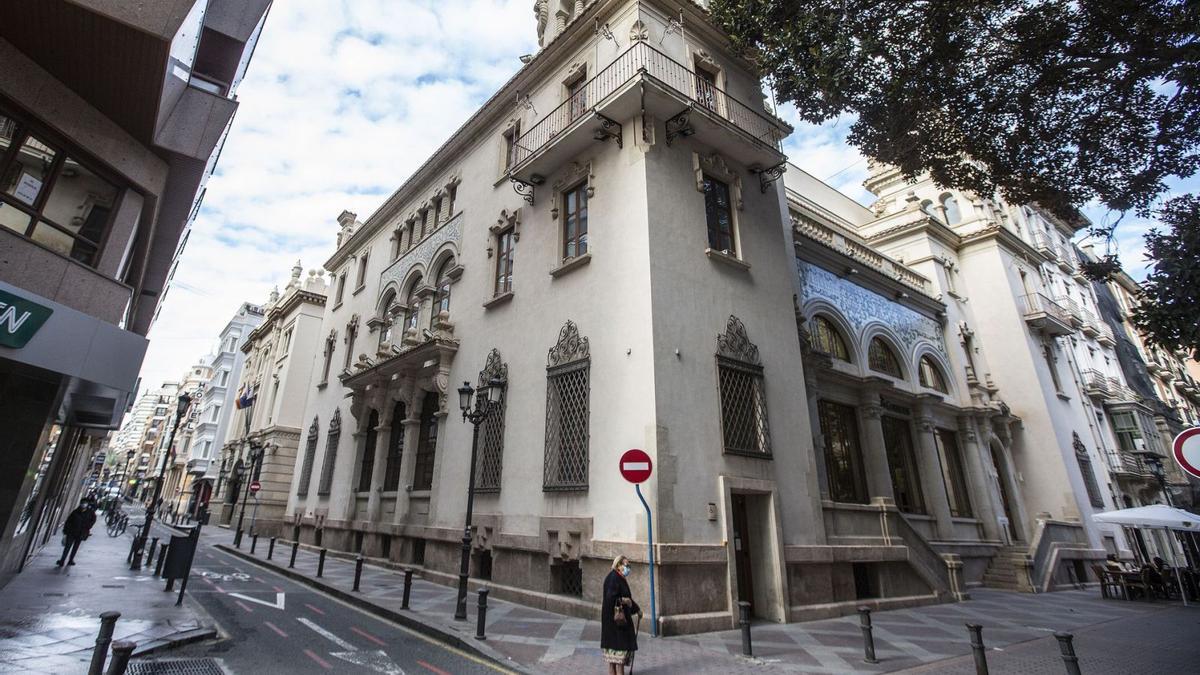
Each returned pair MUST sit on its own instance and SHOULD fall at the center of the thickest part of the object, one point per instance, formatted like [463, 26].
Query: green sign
[20, 319]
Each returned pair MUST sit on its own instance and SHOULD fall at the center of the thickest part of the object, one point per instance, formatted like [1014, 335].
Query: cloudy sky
[342, 101]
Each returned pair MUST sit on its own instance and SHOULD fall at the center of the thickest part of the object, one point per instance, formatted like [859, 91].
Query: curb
[470, 646]
[186, 637]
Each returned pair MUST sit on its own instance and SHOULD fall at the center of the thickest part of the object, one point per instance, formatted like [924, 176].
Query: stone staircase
[1009, 570]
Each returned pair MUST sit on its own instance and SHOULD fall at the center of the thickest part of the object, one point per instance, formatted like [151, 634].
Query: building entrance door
[1005, 501]
[741, 550]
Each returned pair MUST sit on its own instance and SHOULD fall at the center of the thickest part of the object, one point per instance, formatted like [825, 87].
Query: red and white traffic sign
[255, 486]
[1186, 449]
[636, 466]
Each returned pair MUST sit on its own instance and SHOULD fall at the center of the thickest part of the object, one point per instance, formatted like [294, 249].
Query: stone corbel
[716, 166]
[638, 32]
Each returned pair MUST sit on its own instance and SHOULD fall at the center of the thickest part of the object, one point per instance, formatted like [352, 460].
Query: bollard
[358, 563]
[271, 548]
[744, 622]
[253, 543]
[237, 538]
[295, 547]
[978, 649]
[321, 564]
[162, 556]
[122, 650]
[481, 616]
[1068, 652]
[153, 547]
[407, 588]
[108, 623]
[864, 617]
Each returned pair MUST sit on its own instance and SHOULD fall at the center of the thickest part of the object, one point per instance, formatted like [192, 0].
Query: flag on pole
[245, 397]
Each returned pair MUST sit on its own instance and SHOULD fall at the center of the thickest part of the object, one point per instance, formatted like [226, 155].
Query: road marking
[315, 609]
[434, 669]
[278, 604]
[322, 662]
[377, 661]
[327, 635]
[239, 604]
[368, 636]
[275, 628]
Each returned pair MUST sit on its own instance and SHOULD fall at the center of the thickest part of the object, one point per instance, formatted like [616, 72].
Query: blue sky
[342, 101]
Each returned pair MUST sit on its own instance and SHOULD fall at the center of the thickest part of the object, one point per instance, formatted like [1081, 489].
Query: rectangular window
[1129, 435]
[719, 215]
[362, 271]
[577, 97]
[902, 462]
[511, 146]
[567, 578]
[331, 447]
[341, 289]
[575, 222]
[843, 454]
[426, 444]
[1048, 355]
[351, 336]
[567, 433]
[504, 261]
[310, 452]
[329, 344]
[367, 465]
[953, 475]
[743, 408]
[395, 449]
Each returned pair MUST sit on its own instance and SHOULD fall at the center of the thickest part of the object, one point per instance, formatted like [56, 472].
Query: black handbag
[619, 617]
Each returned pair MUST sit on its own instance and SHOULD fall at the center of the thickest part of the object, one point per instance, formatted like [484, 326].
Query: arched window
[927, 208]
[930, 376]
[825, 338]
[387, 315]
[441, 297]
[882, 359]
[412, 312]
[950, 206]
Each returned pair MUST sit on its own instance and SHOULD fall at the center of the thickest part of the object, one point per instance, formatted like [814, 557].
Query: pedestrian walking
[618, 637]
[77, 528]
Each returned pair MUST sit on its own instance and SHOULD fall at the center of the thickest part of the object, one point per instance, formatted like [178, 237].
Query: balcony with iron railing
[1045, 245]
[1096, 384]
[1044, 314]
[1091, 327]
[689, 104]
[1073, 310]
[1105, 336]
[1119, 393]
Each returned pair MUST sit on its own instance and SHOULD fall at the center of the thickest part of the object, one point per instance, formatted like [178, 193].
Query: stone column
[979, 483]
[932, 483]
[812, 389]
[879, 478]
[382, 434]
[411, 430]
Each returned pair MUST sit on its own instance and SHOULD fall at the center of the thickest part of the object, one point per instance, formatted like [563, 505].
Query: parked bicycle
[117, 524]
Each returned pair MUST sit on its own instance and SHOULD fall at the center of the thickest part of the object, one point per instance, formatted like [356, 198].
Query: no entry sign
[255, 486]
[636, 466]
[1186, 449]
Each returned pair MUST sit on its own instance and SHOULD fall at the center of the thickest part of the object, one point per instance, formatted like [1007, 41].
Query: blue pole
[650, 532]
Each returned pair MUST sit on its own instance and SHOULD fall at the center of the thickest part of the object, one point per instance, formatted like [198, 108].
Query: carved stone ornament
[639, 31]
[574, 173]
[571, 347]
[574, 72]
[705, 59]
[735, 344]
[493, 368]
[716, 166]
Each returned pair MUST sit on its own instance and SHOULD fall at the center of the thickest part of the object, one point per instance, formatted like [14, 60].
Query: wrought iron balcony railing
[1046, 314]
[643, 60]
[1096, 384]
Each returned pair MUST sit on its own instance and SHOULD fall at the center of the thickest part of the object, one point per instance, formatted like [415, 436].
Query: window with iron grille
[567, 577]
[930, 376]
[825, 338]
[902, 462]
[490, 453]
[740, 384]
[882, 359]
[367, 465]
[331, 446]
[426, 443]
[843, 454]
[395, 449]
[1089, 476]
[568, 365]
[310, 451]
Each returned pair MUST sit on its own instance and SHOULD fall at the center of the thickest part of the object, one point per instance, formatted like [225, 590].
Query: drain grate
[175, 667]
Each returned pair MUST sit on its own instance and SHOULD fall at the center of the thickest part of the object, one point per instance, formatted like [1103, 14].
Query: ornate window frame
[1087, 471]
[717, 167]
[332, 439]
[509, 223]
[568, 390]
[310, 453]
[741, 393]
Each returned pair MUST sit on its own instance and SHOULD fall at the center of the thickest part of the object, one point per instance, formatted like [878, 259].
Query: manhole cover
[175, 667]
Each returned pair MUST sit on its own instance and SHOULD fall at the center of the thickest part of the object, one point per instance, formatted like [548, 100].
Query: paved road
[278, 626]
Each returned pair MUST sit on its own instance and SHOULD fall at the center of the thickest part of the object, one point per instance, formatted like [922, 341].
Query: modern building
[111, 116]
[281, 357]
[217, 406]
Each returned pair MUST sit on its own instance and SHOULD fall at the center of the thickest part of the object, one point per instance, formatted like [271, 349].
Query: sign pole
[650, 533]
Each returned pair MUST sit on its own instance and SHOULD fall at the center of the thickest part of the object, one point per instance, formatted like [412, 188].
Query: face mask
[625, 570]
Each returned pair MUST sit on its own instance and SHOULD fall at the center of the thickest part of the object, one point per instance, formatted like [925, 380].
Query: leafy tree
[1058, 102]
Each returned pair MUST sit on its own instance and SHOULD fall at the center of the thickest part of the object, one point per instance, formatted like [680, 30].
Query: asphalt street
[274, 625]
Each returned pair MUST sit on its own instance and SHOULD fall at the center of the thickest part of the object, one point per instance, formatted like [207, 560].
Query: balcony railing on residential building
[644, 61]
[838, 241]
[1045, 245]
[1045, 314]
[1095, 384]
[1105, 334]
[1073, 310]
[1091, 327]
[1119, 393]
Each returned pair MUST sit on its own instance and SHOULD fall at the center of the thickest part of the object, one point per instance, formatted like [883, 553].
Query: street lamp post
[181, 405]
[1155, 464]
[256, 454]
[487, 402]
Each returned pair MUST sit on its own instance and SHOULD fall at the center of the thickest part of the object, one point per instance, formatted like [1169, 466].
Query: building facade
[178, 484]
[111, 116]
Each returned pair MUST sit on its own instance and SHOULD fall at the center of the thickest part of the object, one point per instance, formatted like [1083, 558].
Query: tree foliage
[1058, 102]
[1171, 292]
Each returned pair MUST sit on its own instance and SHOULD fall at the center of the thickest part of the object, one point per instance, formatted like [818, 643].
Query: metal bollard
[122, 650]
[253, 543]
[744, 622]
[271, 548]
[864, 618]
[978, 649]
[321, 564]
[1068, 652]
[358, 563]
[237, 538]
[153, 547]
[481, 616]
[407, 588]
[295, 547]
[108, 623]
[162, 556]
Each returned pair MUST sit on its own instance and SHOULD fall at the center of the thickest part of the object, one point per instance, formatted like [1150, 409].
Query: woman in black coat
[618, 640]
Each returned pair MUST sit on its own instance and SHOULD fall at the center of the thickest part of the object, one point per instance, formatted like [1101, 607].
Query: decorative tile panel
[423, 252]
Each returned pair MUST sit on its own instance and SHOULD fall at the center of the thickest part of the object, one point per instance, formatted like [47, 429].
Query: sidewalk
[49, 616]
[544, 642]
